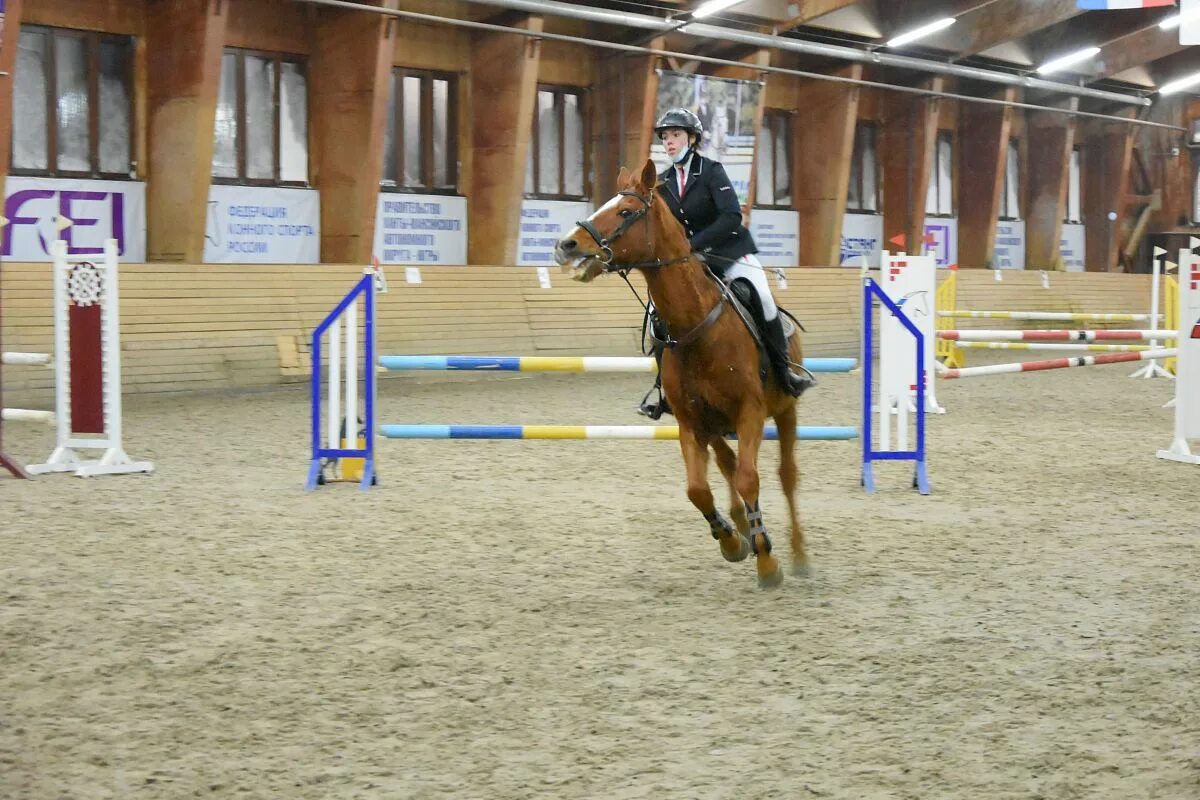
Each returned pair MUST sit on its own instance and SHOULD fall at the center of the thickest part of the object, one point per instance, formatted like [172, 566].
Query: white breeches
[748, 267]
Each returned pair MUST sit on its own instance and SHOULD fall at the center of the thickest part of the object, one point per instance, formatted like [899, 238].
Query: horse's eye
[625, 212]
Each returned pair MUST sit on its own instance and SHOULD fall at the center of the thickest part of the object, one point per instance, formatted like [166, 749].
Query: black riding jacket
[709, 211]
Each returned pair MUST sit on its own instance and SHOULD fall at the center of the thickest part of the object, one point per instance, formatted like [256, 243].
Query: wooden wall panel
[1049, 140]
[567, 64]
[982, 146]
[633, 82]
[1108, 151]
[278, 26]
[909, 141]
[8, 59]
[109, 16]
[436, 47]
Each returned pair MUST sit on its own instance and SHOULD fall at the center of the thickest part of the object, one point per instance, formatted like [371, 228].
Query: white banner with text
[262, 225]
[421, 229]
[98, 210]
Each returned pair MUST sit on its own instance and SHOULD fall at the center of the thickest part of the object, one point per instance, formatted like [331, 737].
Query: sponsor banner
[1010, 244]
[1073, 247]
[100, 210]
[862, 234]
[777, 234]
[420, 229]
[727, 109]
[262, 225]
[941, 234]
[543, 223]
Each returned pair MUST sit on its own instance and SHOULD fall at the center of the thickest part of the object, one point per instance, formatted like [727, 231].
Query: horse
[710, 367]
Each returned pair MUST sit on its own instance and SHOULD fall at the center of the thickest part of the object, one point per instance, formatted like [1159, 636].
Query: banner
[262, 225]
[727, 109]
[1189, 22]
[1010, 244]
[420, 229]
[862, 234]
[943, 244]
[99, 209]
[543, 223]
[1073, 247]
[777, 234]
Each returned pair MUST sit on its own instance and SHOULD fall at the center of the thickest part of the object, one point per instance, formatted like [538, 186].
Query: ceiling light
[712, 7]
[1068, 60]
[1181, 84]
[921, 32]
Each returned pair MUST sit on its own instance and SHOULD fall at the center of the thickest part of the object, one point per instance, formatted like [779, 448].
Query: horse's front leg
[750, 432]
[734, 546]
[788, 478]
[727, 461]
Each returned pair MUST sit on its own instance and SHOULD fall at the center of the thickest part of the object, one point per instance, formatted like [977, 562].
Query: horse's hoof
[801, 569]
[770, 580]
[743, 548]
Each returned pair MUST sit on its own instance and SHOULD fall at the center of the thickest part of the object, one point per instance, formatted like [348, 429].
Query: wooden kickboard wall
[187, 327]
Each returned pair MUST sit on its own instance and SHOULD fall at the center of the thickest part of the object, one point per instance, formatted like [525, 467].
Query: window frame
[278, 59]
[534, 150]
[92, 41]
[785, 117]
[857, 157]
[935, 178]
[1011, 150]
[427, 77]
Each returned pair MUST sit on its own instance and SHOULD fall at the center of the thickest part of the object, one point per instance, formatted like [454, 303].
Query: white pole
[1152, 369]
[885, 418]
[352, 374]
[26, 359]
[62, 349]
[335, 385]
[110, 332]
[27, 415]
[902, 425]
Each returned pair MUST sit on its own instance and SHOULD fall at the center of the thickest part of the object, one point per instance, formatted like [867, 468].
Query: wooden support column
[8, 65]
[185, 39]
[826, 127]
[910, 128]
[504, 72]
[982, 146]
[627, 92]
[1108, 154]
[1050, 140]
[351, 75]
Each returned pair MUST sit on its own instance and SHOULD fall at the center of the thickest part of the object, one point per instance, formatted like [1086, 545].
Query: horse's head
[617, 235]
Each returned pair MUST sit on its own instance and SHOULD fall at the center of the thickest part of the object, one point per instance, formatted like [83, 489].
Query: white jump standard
[1185, 443]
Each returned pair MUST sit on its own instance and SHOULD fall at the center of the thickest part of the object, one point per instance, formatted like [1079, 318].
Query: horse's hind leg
[734, 546]
[788, 479]
[750, 432]
[727, 461]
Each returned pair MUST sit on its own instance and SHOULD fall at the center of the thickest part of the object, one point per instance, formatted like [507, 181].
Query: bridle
[605, 243]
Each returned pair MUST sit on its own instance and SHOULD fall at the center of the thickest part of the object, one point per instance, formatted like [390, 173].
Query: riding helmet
[680, 118]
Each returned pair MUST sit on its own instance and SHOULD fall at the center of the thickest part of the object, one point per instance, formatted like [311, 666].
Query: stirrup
[799, 383]
[656, 409]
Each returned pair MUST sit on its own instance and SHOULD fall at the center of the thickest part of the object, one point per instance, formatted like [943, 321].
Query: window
[261, 130]
[1074, 193]
[1010, 203]
[774, 163]
[73, 104]
[939, 201]
[554, 166]
[865, 187]
[421, 140]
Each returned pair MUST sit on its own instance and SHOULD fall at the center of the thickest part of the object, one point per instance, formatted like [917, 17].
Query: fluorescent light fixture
[1172, 22]
[712, 7]
[1068, 60]
[921, 32]
[1181, 84]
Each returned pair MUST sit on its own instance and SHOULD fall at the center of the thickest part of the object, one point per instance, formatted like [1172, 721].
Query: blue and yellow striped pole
[565, 363]
[670, 432]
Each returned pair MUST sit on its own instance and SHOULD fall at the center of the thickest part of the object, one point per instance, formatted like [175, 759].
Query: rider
[701, 196]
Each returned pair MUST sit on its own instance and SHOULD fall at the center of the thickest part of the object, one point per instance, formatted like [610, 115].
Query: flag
[1110, 5]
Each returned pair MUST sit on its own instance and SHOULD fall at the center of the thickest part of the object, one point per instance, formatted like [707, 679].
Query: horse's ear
[624, 177]
[649, 176]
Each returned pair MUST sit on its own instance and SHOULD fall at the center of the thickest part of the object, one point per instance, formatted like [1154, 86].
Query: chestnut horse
[710, 367]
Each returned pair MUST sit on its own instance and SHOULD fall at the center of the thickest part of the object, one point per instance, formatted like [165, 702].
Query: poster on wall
[1010, 244]
[727, 109]
[941, 234]
[420, 229]
[99, 210]
[862, 234]
[543, 223]
[262, 225]
[1073, 247]
[777, 234]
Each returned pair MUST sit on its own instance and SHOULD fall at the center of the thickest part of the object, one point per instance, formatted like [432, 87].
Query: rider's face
[675, 141]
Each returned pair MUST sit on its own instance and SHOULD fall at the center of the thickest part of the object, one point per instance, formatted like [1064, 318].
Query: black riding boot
[656, 409]
[777, 349]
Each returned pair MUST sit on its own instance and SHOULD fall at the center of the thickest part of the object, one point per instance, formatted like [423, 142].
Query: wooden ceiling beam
[1141, 47]
[1007, 20]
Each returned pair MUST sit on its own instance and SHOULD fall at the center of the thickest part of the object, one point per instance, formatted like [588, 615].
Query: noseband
[605, 243]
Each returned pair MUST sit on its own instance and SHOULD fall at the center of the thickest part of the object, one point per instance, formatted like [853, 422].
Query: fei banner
[543, 223]
[942, 236]
[727, 109]
[100, 210]
[262, 225]
[777, 234]
[421, 229]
